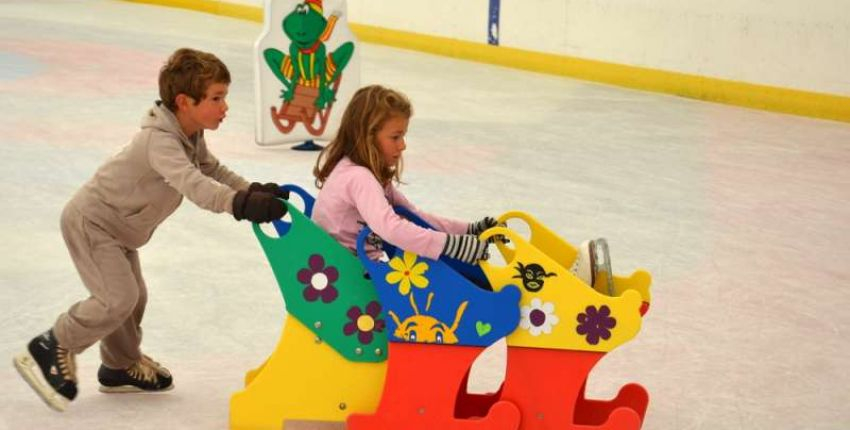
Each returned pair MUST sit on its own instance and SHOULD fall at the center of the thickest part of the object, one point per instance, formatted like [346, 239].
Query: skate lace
[574, 267]
[67, 364]
[158, 367]
[142, 370]
[148, 370]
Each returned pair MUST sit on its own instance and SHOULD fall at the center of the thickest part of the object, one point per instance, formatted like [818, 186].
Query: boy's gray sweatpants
[113, 312]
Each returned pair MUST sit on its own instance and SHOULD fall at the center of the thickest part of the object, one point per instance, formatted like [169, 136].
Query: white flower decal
[538, 318]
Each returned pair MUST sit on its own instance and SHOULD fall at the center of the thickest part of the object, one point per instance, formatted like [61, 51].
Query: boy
[116, 212]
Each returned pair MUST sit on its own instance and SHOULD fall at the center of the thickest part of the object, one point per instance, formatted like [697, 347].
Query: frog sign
[301, 59]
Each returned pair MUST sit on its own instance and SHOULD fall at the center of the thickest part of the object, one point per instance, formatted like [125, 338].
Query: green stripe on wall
[775, 99]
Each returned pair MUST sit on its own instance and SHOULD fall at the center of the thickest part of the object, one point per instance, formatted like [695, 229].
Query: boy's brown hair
[190, 72]
[366, 113]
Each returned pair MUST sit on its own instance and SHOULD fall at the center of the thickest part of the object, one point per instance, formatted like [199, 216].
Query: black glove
[466, 248]
[269, 187]
[479, 227]
[257, 206]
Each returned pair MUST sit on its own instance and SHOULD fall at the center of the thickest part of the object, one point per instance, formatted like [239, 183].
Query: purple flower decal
[596, 324]
[319, 280]
[364, 323]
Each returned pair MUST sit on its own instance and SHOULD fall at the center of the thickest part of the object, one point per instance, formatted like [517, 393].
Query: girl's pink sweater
[352, 197]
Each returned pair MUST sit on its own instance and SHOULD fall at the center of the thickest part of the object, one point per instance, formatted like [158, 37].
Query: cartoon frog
[308, 63]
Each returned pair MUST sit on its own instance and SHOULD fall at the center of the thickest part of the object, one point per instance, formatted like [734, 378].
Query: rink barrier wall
[744, 94]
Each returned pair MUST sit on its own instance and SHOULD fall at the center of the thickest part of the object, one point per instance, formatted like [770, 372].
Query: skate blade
[27, 367]
[131, 389]
[603, 266]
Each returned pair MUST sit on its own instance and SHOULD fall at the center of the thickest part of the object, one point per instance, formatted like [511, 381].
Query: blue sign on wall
[493, 24]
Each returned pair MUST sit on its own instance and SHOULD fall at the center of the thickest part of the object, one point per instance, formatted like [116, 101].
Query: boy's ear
[182, 101]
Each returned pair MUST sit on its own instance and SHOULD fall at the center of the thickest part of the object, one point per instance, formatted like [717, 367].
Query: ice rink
[741, 216]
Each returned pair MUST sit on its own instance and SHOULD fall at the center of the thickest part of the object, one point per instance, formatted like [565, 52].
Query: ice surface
[740, 215]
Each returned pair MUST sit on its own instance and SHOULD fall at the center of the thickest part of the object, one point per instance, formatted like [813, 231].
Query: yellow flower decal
[407, 272]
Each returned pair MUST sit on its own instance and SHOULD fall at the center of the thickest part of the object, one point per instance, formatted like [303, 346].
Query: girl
[355, 175]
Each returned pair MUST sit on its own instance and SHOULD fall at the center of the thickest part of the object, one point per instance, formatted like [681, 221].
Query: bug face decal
[533, 276]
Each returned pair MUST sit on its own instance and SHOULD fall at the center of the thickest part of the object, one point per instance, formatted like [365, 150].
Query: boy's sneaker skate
[50, 370]
[593, 264]
[145, 375]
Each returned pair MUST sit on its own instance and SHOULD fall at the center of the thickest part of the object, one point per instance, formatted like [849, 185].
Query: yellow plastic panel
[305, 380]
[565, 254]
[559, 311]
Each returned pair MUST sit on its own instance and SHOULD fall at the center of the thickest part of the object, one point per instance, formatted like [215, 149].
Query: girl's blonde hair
[368, 110]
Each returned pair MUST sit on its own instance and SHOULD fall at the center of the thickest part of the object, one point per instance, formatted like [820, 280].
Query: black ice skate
[145, 375]
[50, 370]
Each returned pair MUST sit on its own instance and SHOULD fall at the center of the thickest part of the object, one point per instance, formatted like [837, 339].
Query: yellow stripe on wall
[233, 10]
[775, 99]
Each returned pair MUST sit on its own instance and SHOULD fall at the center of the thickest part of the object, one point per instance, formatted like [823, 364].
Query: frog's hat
[316, 5]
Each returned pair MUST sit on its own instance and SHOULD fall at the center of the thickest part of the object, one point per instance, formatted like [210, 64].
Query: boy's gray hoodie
[138, 188]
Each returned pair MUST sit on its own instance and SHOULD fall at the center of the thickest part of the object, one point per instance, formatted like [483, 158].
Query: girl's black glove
[479, 227]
